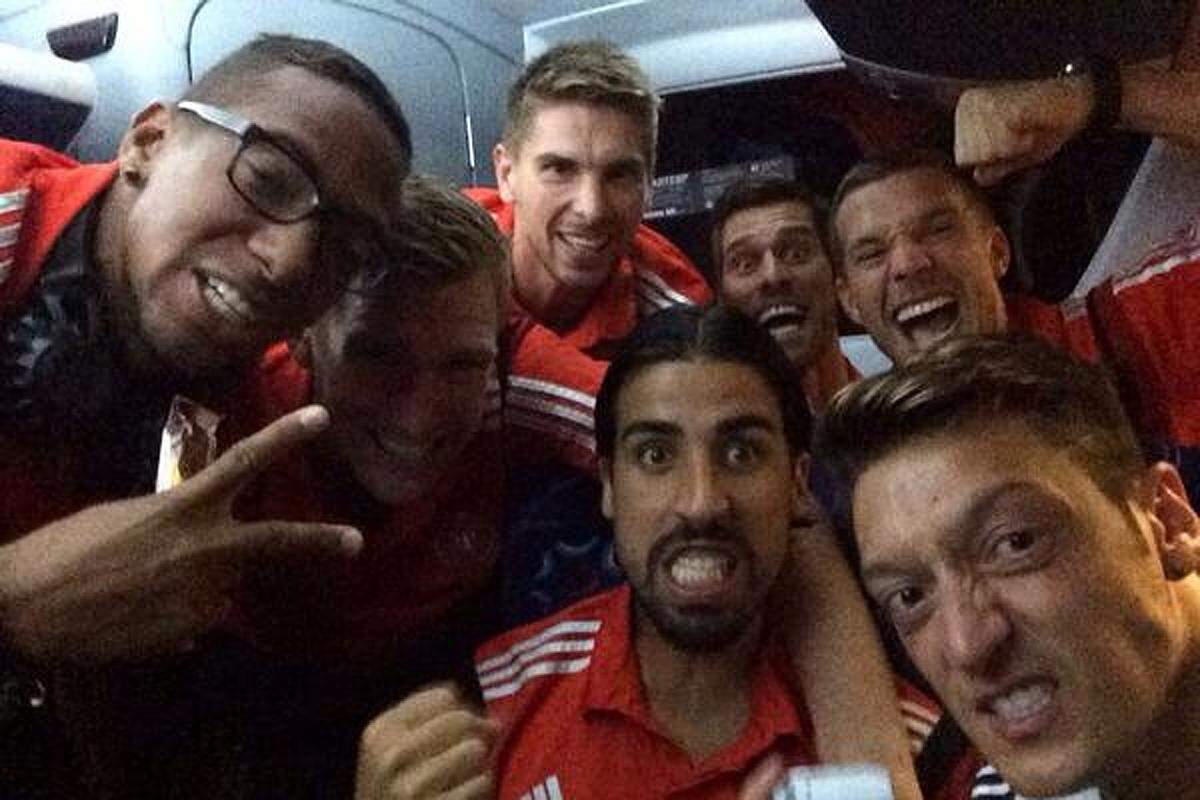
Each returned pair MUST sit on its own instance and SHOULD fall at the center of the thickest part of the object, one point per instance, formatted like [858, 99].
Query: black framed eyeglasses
[262, 171]
[276, 185]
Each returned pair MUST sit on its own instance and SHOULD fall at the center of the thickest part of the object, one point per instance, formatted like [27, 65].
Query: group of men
[233, 635]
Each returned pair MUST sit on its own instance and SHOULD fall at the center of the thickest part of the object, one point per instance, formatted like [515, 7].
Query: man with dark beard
[678, 683]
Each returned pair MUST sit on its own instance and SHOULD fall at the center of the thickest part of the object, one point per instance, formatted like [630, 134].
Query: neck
[552, 303]
[701, 700]
[824, 376]
[1162, 761]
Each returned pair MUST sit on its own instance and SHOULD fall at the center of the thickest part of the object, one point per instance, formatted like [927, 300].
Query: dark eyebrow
[632, 163]
[941, 211]
[542, 159]
[649, 427]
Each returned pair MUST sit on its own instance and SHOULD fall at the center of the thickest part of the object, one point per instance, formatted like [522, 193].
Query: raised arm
[836, 652]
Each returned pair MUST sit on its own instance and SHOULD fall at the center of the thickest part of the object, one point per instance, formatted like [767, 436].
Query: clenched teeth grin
[1022, 702]
[698, 568]
[580, 241]
[227, 301]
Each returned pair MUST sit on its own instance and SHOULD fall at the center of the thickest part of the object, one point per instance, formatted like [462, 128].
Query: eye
[1014, 546]
[627, 173]
[742, 455]
[793, 252]
[905, 606]
[558, 169]
[742, 264]
[868, 258]
[653, 455]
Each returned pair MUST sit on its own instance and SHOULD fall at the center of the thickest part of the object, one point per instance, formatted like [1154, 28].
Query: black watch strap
[21, 693]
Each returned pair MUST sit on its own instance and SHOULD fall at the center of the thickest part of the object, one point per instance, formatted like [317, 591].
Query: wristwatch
[21, 694]
[1105, 76]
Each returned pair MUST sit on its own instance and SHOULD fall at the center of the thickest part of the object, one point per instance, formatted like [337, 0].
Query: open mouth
[400, 452]
[1023, 710]
[781, 317]
[701, 572]
[585, 243]
[929, 320]
[227, 302]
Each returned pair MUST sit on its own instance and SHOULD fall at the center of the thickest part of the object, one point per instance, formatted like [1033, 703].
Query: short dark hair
[755, 193]
[695, 333]
[885, 165]
[592, 71]
[1070, 403]
[439, 237]
[225, 82]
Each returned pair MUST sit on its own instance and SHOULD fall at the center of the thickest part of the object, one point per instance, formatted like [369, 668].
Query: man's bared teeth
[910, 312]
[594, 243]
[1023, 702]
[227, 301]
[781, 315]
[695, 569]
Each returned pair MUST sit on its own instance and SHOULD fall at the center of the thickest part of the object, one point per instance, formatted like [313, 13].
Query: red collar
[615, 686]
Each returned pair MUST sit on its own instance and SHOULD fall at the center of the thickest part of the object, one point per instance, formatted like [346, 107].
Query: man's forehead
[901, 197]
[574, 128]
[700, 393]
[765, 220]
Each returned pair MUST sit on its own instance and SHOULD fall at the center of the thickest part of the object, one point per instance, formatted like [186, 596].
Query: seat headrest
[43, 98]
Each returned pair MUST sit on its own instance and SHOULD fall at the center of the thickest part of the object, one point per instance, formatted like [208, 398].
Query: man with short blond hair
[574, 172]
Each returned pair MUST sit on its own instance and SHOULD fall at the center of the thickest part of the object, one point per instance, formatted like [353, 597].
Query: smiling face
[406, 383]
[774, 269]
[701, 493]
[578, 182]
[198, 278]
[919, 263]
[1034, 603]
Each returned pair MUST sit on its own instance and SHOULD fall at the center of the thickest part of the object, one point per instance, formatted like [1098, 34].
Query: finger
[762, 778]
[992, 174]
[463, 762]
[481, 787]
[278, 541]
[407, 748]
[424, 705]
[249, 457]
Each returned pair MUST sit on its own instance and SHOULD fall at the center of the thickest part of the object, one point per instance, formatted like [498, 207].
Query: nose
[907, 258]
[701, 497]
[289, 253]
[413, 401]
[590, 200]
[776, 274]
[975, 627]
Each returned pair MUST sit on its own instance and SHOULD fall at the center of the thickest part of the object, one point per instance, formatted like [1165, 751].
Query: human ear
[606, 502]
[1000, 251]
[503, 162]
[1174, 523]
[142, 142]
[804, 510]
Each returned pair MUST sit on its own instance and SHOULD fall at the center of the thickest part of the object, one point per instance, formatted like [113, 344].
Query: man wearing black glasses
[227, 221]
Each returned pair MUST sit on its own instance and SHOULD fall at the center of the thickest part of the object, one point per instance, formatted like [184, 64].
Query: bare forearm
[1161, 101]
[840, 662]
